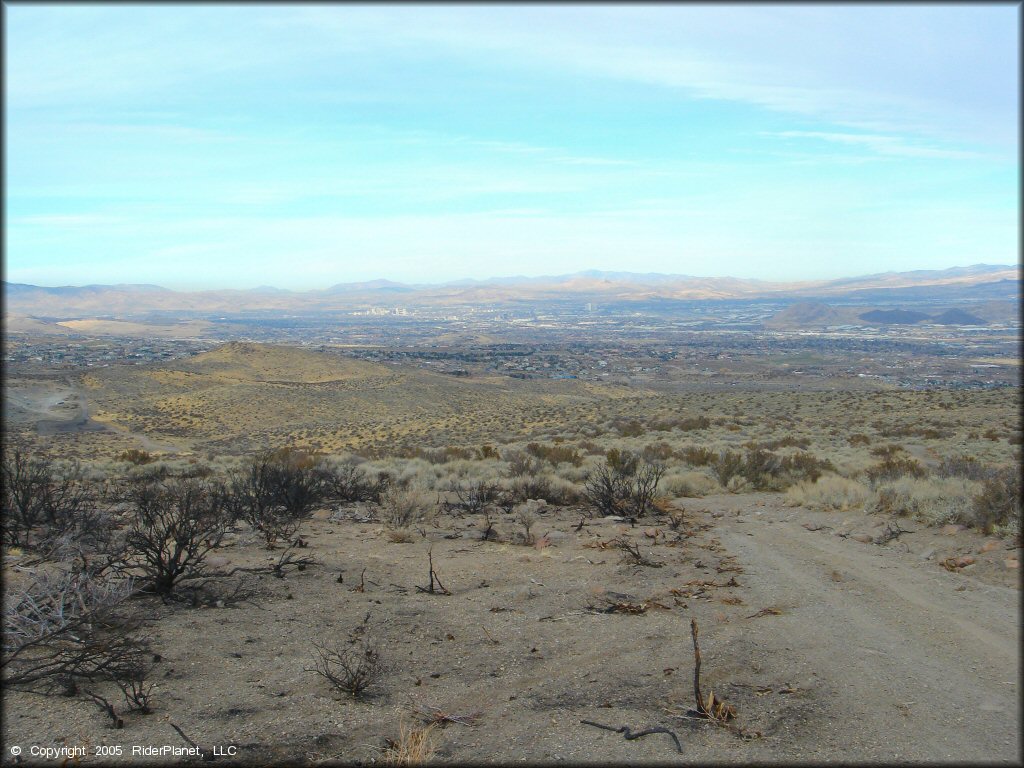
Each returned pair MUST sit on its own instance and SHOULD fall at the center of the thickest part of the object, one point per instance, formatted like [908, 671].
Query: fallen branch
[435, 716]
[629, 735]
[765, 612]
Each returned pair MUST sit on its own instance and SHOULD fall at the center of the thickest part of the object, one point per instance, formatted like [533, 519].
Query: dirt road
[871, 654]
[915, 663]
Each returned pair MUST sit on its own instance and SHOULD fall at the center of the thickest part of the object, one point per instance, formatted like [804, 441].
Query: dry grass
[413, 746]
[830, 492]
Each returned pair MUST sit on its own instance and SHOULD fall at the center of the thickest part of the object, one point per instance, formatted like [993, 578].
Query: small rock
[812, 526]
[988, 546]
[863, 538]
[951, 530]
[1011, 562]
[964, 560]
[928, 554]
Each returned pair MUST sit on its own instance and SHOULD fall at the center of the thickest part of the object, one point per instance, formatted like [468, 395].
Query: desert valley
[440, 527]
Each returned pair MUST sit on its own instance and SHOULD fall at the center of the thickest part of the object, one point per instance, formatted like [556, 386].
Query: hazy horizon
[502, 278]
[209, 146]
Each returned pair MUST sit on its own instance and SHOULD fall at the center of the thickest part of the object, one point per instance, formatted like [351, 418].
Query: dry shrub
[555, 454]
[698, 456]
[401, 507]
[997, 506]
[136, 457]
[68, 627]
[526, 516]
[894, 467]
[829, 492]
[935, 501]
[413, 746]
[692, 484]
[350, 669]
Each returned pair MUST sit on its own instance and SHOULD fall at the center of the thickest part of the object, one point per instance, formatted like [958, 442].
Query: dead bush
[67, 627]
[44, 501]
[475, 495]
[350, 667]
[174, 525]
[277, 490]
[623, 486]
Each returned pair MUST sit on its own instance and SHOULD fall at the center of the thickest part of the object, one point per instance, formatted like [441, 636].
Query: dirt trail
[918, 663]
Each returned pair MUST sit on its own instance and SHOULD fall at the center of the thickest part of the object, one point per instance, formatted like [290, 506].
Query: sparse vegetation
[474, 466]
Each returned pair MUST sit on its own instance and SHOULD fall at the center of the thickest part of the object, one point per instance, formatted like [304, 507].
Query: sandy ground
[871, 652]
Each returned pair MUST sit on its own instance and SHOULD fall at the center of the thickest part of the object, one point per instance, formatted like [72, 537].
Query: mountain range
[981, 282]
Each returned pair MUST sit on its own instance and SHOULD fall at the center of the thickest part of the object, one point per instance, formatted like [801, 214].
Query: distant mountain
[982, 283]
[893, 316]
[372, 285]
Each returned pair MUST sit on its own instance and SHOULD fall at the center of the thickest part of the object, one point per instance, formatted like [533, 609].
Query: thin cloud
[883, 145]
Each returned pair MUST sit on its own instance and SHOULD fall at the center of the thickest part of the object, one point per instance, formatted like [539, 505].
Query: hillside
[807, 314]
[957, 317]
[243, 396]
[893, 316]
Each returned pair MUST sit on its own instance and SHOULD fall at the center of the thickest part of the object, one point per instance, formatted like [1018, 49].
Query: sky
[236, 146]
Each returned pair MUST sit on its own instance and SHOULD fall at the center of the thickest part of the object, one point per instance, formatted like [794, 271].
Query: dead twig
[631, 553]
[107, 708]
[710, 708]
[441, 590]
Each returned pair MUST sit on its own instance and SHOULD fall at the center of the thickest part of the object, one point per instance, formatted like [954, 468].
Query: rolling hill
[244, 396]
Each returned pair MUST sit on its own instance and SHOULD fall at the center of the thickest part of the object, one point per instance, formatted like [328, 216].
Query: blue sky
[302, 146]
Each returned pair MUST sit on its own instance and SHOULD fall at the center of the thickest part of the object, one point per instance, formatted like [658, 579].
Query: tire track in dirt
[916, 669]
